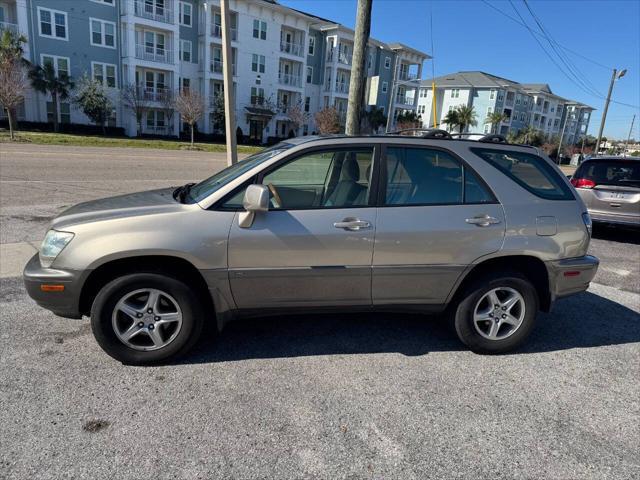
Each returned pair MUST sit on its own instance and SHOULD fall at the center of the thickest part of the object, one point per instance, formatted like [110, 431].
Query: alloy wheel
[499, 313]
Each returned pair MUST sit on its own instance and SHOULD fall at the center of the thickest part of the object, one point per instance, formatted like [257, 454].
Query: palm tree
[466, 117]
[46, 80]
[494, 119]
[452, 119]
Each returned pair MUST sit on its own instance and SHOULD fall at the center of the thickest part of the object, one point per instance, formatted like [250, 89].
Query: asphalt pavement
[316, 396]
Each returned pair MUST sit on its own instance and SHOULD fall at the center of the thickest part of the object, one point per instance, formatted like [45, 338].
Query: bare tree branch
[190, 105]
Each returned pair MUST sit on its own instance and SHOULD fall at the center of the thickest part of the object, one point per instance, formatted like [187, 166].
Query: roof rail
[480, 137]
[423, 132]
[493, 139]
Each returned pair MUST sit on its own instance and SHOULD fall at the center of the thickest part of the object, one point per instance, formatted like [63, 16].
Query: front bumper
[65, 303]
[571, 275]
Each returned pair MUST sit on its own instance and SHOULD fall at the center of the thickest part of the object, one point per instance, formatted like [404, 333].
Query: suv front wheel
[146, 318]
[496, 313]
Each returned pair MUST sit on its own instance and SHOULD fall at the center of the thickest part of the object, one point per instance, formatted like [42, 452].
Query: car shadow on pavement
[582, 321]
[617, 234]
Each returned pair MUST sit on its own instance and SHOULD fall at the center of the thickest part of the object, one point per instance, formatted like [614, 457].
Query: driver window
[327, 178]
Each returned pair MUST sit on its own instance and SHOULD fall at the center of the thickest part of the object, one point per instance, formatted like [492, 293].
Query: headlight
[52, 245]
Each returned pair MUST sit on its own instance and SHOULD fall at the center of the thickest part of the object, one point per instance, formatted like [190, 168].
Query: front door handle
[353, 224]
[482, 220]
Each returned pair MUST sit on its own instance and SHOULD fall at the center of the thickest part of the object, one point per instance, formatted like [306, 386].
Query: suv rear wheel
[496, 313]
[146, 318]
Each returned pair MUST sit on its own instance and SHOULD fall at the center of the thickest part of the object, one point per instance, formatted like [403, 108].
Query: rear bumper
[615, 219]
[571, 275]
[65, 303]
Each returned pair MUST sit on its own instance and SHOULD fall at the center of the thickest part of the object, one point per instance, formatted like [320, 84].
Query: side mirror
[256, 199]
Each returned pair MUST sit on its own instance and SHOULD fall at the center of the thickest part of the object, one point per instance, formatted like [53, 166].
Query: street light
[615, 76]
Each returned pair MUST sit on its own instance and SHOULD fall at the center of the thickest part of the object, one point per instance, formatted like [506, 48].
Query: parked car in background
[610, 188]
[486, 233]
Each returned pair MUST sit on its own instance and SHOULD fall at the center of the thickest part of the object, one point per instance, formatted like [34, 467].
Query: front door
[436, 217]
[314, 245]
[255, 130]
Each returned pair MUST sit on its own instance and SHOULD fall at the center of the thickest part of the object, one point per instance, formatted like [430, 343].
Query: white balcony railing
[151, 11]
[342, 87]
[12, 27]
[216, 67]
[407, 76]
[404, 100]
[154, 54]
[292, 48]
[153, 94]
[288, 79]
[216, 31]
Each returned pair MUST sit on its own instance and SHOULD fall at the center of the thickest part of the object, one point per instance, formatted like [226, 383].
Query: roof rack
[423, 132]
[491, 138]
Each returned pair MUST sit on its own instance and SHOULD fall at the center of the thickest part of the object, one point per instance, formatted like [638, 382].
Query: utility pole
[564, 125]
[614, 77]
[358, 74]
[626, 145]
[392, 95]
[227, 74]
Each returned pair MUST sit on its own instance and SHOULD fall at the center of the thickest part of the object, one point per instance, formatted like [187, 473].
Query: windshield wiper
[181, 193]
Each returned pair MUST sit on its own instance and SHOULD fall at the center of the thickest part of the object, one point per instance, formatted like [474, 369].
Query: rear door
[616, 189]
[435, 217]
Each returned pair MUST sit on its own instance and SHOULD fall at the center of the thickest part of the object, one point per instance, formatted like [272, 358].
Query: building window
[105, 73]
[455, 93]
[305, 129]
[185, 84]
[103, 33]
[492, 94]
[307, 104]
[258, 63]
[309, 74]
[106, 2]
[53, 23]
[257, 96]
[185, 50]
[312, 45]
[156, 120]
[370, 61]
[387, 62]
[186, 11]
[260, 29]
[385, 87]
[60, 64]
[423, 93]
[65, 112]
[489, 111]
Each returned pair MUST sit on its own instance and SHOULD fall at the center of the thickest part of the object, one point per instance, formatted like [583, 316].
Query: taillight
[582, 183]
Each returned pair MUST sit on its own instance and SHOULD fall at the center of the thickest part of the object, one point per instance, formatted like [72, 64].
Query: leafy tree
[13, 78]
[451, 119]
[92, 99]
[408, 119]
[328, 121]
[45, 80]
[466, 117]
[217, 111]
[376, 118]
[495, 118]
[190, 105]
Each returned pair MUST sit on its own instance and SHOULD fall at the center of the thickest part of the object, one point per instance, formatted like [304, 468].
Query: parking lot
[319, 396]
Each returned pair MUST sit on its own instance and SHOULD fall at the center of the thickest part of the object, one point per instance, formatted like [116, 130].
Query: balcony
[216, 31]
[216, 67]
[151, 11]
[154, 54]
[345, 58]
[12, 27]
[407, 76]
[288, 79]
[342, 87]
[404, 100]
[157, 94]
[292, 48]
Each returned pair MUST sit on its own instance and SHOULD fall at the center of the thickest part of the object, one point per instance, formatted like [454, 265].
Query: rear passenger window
[422, 176]
[529, 171]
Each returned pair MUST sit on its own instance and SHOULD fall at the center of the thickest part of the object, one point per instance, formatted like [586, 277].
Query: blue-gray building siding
[191, 33]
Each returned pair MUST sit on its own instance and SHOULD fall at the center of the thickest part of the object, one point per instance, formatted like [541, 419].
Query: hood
[137, 204]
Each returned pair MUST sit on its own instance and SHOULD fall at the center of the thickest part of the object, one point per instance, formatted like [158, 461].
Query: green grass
[46, 138]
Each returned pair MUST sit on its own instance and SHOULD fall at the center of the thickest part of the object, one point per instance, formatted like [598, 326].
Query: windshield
[205, 188]
[612, 172]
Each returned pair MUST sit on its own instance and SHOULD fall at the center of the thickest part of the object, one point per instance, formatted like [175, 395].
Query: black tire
[463, 312]
[105, 303]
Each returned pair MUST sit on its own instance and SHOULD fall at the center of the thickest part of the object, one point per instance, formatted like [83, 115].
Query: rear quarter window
[529, 171]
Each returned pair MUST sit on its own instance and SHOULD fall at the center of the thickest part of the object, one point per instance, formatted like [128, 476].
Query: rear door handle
[482, 220]
[353, 224]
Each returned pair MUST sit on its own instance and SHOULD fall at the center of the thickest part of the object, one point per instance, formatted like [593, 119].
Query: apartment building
[282, 59]
[522, 104]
